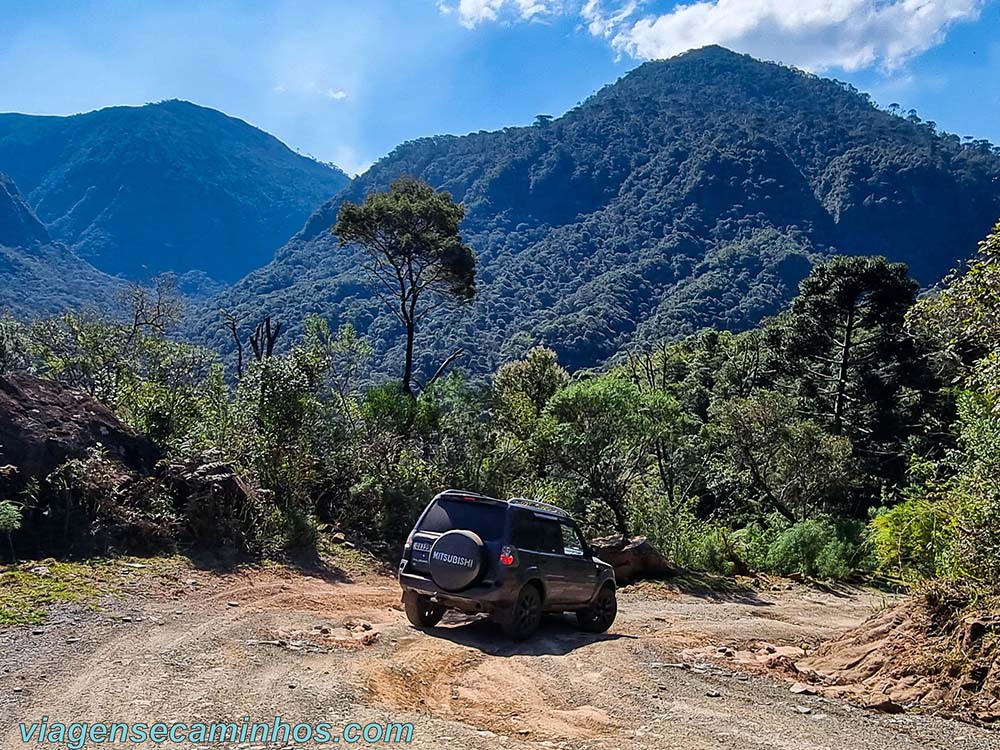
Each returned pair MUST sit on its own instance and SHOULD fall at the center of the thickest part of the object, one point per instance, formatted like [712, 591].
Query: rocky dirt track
[312, 647]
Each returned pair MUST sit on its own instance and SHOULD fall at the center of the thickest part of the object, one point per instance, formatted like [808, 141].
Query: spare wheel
[456, 559]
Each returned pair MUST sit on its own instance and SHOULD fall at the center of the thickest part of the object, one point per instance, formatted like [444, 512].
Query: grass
[29, 589]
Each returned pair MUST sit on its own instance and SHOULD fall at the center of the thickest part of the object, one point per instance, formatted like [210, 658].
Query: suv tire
[527, 613]
[421, 611]
[601, 613]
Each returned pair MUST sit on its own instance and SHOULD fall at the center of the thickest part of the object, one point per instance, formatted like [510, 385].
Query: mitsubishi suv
[513, 560]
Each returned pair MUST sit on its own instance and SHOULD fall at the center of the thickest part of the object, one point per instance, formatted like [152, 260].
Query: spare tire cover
[456, 559]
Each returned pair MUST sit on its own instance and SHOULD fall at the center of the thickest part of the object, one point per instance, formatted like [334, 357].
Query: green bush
[755, 541]
[10, 517]
[833, 561]
[812, 548]
[714, 550]
[913, 539]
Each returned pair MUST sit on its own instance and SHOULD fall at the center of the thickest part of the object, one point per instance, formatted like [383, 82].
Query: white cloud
[812, 34]
[335, 94]
[471, 13]
[602, 22]
[817, 35]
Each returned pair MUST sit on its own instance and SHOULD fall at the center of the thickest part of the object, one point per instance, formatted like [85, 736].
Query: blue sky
[346, 81]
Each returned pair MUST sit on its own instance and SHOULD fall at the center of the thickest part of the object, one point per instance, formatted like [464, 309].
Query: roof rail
[465, 493]
[539, 505]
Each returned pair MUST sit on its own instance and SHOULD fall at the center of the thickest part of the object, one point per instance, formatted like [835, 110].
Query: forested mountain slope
[165, 187]
[38, 275]
[692, 192]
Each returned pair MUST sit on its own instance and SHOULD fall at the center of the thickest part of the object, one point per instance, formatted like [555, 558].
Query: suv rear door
[539, 543]
[581, 570]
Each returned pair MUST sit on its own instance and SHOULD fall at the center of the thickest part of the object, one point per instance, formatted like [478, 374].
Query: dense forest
[694, 192]
[37, 275]
[855, 431]
[167, 187]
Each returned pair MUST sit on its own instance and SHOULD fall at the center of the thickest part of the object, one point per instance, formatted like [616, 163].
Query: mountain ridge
[171, 186]
[37, 275]
[692, 192]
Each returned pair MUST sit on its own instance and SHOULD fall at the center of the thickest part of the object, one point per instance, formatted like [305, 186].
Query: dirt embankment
[323, 645]
[923, 653]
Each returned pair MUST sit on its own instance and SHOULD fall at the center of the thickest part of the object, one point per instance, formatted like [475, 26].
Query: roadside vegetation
[856, 432]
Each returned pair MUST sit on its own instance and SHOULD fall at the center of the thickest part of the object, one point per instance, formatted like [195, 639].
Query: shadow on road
[308, 562]
[717, 588]
[557, 636]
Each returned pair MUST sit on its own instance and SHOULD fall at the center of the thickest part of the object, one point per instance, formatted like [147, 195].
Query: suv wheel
[601, 613]
[421, 611]
[527, 614]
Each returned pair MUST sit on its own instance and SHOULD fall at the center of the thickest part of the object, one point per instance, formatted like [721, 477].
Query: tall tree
[852, 364]
[770, 460]
[417, 259]
[600, 435]
[522, 388]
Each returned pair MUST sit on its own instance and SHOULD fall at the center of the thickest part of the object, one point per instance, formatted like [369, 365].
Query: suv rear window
[533, 533]
[485, 519]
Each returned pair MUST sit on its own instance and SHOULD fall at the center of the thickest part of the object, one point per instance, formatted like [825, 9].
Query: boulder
[214, 502]
[43, 423]
[633, 558]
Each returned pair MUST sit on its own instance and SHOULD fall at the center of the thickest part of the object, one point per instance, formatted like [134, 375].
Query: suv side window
[572, 545]
[533, 533]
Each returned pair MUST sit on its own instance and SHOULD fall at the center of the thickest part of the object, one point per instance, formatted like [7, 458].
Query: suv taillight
[508, 556]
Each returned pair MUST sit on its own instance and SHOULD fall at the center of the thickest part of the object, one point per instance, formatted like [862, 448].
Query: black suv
[514, 560]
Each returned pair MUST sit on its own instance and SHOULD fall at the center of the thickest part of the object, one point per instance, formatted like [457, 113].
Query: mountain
[695, 191]
[164, 187]
[38, 275]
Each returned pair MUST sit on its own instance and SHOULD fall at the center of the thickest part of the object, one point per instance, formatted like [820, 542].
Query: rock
[232, 604]
[886, 707]
[713, 694]
[632, 559]
[212, 494]
[976, 627]
[800, 688]
[803, 709]
[44, 423]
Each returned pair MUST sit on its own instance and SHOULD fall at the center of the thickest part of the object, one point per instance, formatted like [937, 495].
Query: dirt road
[314, 648]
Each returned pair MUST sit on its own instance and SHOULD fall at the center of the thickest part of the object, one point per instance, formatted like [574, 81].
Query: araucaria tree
[855, 369]
[417, 260]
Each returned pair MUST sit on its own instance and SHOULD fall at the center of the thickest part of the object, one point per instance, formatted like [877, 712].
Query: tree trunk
[408, 364]
[621, 523]
[840, 401]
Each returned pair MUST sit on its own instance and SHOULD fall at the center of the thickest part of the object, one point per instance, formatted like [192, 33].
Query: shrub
[913, 539]
[93, 504]
[832, 562]
[755, 541]
[812, 548]
[10, 521]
